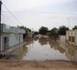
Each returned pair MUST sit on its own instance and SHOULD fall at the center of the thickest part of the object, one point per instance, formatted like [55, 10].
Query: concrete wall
[2, 41]
[62, 40]
[72, 33]
[67, 35]
[14, 35]
[76, 37]
[15, 39]
[8, 29]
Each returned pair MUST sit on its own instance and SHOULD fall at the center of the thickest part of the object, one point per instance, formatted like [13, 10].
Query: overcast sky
[37, 13]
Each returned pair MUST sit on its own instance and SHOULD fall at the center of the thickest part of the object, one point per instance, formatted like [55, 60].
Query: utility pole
[0, 26]
[0, 11]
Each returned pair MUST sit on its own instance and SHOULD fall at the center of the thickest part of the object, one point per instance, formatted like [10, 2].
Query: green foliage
[53, 33]
[62, 30]
[75, 27]
[43, 30]
[35, 33]
[27, 30]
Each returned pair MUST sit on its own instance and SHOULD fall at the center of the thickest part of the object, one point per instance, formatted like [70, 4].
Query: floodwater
[45, 49]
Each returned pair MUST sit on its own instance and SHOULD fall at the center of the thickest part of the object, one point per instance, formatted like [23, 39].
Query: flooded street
[38, 35]
[44, 49]
[42, 54]
[38, 51]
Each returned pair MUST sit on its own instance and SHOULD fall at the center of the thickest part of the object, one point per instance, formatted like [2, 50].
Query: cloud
[37, 13]
[30, 4]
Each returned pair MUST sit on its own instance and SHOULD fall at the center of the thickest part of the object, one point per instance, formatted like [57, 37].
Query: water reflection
[43, 41]
[35, 38]
[29, 41]
[48, 49]
[45, 49]
[71, 53]
[17, 54]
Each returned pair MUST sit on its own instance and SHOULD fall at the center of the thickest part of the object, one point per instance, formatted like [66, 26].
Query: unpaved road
[33, 65]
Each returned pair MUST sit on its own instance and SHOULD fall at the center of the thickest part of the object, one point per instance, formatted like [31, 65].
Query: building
[62, 40]
[71, 37]
[11, 38]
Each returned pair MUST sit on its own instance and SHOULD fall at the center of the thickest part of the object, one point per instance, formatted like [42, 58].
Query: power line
[12, 14]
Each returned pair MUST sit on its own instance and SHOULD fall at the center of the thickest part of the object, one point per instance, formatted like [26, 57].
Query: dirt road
[33, 65]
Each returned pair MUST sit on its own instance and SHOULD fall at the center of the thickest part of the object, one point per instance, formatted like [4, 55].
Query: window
[73, 39]
[6, 43]
[69, 38]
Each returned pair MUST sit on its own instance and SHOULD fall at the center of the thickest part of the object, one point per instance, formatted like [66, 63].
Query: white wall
[8, 29]
[21, 38]
[62, 40]
[2, 41]
[1, 46]
[15, 39]
[14, 35]
[76, 38]
[67, 35]
[72, 33]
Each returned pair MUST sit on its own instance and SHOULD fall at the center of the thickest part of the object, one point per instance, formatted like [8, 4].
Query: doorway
[6, 42]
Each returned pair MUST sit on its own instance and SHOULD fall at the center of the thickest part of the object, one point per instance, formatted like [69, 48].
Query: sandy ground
[33, 65]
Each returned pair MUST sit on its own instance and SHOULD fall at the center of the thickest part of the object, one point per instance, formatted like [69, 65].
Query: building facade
[11, 38]
[71, 37]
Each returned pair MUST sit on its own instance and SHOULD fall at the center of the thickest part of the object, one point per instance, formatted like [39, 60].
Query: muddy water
[45, 49]
[36, 51]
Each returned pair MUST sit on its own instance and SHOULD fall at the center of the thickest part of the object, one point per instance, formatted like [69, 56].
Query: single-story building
[71, 37]
[11, 38]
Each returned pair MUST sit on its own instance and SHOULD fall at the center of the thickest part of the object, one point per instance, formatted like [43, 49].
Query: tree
[27, 31]
[22, 27]
[35, 33]
[43, 30]
[62, 30]
[25, 28]
[75, 27]
[53, 33]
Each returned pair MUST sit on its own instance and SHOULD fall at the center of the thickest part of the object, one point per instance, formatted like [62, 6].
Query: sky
[37, 13]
